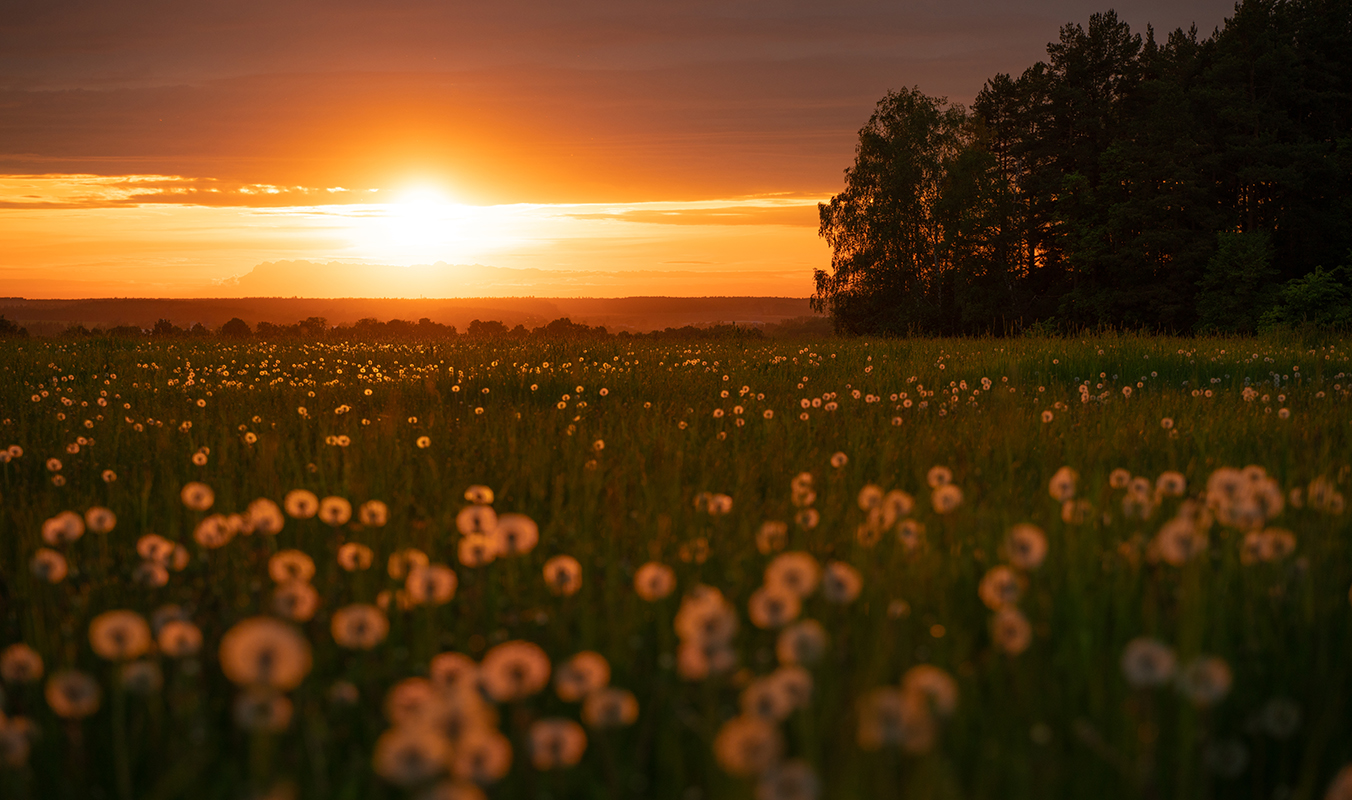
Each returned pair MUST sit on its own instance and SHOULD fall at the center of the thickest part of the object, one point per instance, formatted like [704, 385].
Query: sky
[169, 149]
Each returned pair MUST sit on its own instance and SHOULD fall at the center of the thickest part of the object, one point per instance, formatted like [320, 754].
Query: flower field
[1032, 568]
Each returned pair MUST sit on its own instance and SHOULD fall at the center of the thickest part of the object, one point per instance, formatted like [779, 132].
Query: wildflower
[482, 756]
[1171, 484]
[796, 571]
[108, 476]
[747, 746]
[894, 717]
[301, 504]
[359, 626]
[49, 565]
[63, 528]
[100, 520]
[72, 694]
[412, 701]
[423, 442]
[946, 498]
[179, 638]
[213, 532]
[1000, 587]
[1179, 541]
[939, 476]
[790, 780]
[53, 465]
[15, 735]
[265, 517]
[772, 537]
[870, 497]
[794, 683]
[896, 505]
[452, 670]
[373, 514]
[408, 757]
[1011, 631]
[935, 684]
[353, 556]
[265, 651]
[1047, 415]
[839, 460]
[556, 743]
[261, 708]
[199, 458]
[335, 511]
[1026, 546]
[1148, 662]
[773, 606]
[514, 671]
[580, 675]
[801, 643]
[151, 574]
[516, 534]
[119, 635]
[697, 660]
[807, 518]
[476, 519]
[1062, 485]
[141, 677]
[431, 585]
[910, 533]
[197, 496]
[290, 565]
[610, 707]
[476, 550]
[1205, 681]
[1119, 478]
[763, 699]
[841, 583]
[1167, 423]
[563, 575]
[654, 581]
[401, 561]
[295, 600]
[479, 495]
[20, 663]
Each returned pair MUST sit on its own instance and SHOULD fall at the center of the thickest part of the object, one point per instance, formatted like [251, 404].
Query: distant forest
[398, 330]
[1194, 184]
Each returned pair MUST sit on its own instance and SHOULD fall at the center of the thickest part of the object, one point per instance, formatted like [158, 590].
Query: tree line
[1191, 184]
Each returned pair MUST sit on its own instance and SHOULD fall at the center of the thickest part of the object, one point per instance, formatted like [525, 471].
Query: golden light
[423, 224]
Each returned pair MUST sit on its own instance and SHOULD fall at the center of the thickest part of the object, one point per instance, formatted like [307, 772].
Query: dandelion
[1047, 415]
[763, 699]
[556, 743]
[516, 534]
[373, 514]
[1167, 423]
[911, 534]
[934, 684]
[432, 585]
[1000, 587]
[424, 442]
[514, 671]
[772, 537]
[1171, 484]
[108, 476]
[1179, 541]
[49, 565]
[839, 460]
[1010, 630]
[53, 465]
[476, 550]
[260, 708]
[479, 519]
[301, 504]
[563, 575]
[119, 635]
[1119, 478]
[408, 757]
[295, 600]
[266, 652]
[100, 520]
[870, 497]
[747, 746]
[151, 574]
[773, 606]
[841, 583]
[1062, 485]
[287, 566]
[939, 476]
[72, 694]
[1205, 681]
[453, 670]
[353, 556]
[790, 780]
[20, 663]
[197, 496]
[335, 511]
[1026, 546]
[1148, 662]
[654, 581]
[141, 677]
[213, 532]
[610, 707]
[896, 505]
[179, 639]
[482, 756]
[359, 626]
[199, 459]
[946, 498]
[479, 495]
[798, 572]
[808, 518]
[801, 643]
[401, 561]
[63, 528]
[265, 517]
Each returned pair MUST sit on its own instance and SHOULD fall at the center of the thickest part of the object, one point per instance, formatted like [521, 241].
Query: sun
[421, 220]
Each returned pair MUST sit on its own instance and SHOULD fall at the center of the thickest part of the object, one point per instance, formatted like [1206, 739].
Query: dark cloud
[525, 100]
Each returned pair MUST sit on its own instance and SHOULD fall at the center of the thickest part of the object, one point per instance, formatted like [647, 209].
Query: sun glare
[424, 225]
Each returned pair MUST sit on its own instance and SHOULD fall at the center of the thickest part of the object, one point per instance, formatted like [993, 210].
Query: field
[1030, 568]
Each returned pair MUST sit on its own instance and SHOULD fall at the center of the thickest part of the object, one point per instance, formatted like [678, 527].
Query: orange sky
[168, 149]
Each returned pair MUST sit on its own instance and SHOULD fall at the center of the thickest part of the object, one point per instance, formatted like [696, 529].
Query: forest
[1169, 184]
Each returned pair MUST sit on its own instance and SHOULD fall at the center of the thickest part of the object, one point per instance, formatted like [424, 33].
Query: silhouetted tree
[236, 328]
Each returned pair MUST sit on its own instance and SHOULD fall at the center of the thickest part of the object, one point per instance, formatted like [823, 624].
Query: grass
[1055, 720]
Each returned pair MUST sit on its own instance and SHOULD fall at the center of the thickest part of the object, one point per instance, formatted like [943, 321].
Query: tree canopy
[1170, 185]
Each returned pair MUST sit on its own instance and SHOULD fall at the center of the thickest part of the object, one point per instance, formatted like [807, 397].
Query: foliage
[608, 444]
[1323, 298]
[1238, 285]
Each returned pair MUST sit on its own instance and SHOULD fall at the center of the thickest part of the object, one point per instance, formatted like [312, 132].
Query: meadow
[1112, 566]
